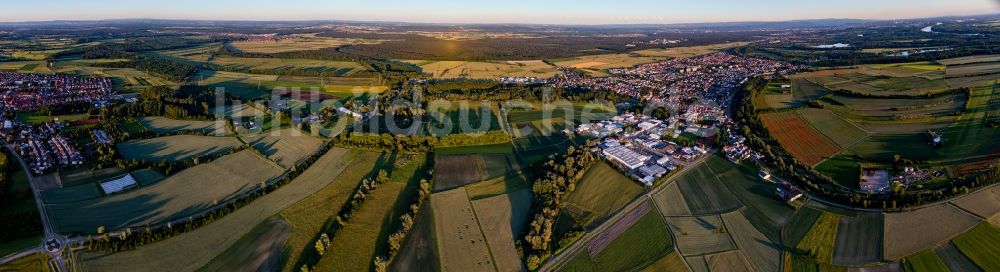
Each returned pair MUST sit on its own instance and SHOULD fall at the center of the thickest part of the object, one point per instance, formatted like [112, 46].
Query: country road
[49, 234]
[556, 261]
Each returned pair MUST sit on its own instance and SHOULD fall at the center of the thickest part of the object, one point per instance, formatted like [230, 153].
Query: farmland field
[354, 246]
[594, 64]
[799, 226]
[705, 193]
[766, 212]
[688, 51]
[419, 251]
[761, 253]
[325, 67]
[503, 218]
[925, 260]
[194, 249]
[954, 259]
[640, 245]
[601, 192]
[906, 233]
[800, 139]
[286, 146]
[32, 262]
[700, 235]
[732, 261]
[297, 42]
[671, 202]
[982, 246]
[819, 241]
[859, 239]
[487, 70]
[183, 194]
[672, 262]
[259, 249]
[166, 125]
[970, 59]
[176, 148]
[459, 236]
[840, 131]
[459, 166]
[843, 170]
[984, 203]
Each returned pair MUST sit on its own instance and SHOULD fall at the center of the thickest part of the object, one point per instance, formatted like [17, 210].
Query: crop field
[573, 113]
[840, 131]
[503, 218]
[954, 259]
[906, 233]
[459, 166]
[859, 239]
[637, 246]
[925, 260]
[671, 202]
[286, 146]
[843, 170]
[603, 239]
[196, 54]
[487, 70]
[733, 261]
[355, 245]
[799, 226]
[705, 193]
[762, 253]
[969, 59]
[688, 51]
[672, 262]
[982, 246]
[166, 125]
[700, 235]
[978, 68]
[183, 194]
[893, 109]
[453, 171]
[325, 67]
[819, 241]
[594, 64]
[176, 147]
[419, 251]
[601, 192]
[984, 203]
[298, 42]
[248, 86]
[698, 263]
[766, 212]
[194, 249]
[460, 117]
[460, 239]
[800, 139]
[259, 249]
[805, 90]
[774, 96]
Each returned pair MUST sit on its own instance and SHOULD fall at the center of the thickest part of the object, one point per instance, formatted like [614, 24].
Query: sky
[492, 11]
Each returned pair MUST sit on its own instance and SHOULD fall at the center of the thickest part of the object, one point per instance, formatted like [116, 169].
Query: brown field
[503, 218]
[700, 235]
[761, 253]
[287, 147]
[908, 232]
[984, 203]
[455, 170]
[475, 69]
[460, 240]
[671, 202]
[697, 263]
[297, 43]
[730, 261]
[970, 59]
[800, 139]
[672, 262]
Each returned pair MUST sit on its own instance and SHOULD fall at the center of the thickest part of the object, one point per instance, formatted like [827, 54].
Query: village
[22, 91]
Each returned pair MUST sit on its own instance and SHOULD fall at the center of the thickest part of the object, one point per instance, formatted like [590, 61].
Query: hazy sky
[507, 11]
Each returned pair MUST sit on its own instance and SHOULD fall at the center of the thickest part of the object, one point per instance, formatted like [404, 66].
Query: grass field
[297, 42]
[176, 148]
[700, 235]
[419, 251]
[761, 253]
[487, 70]
[194, 249]
[641, 245]
[800, 139]
[925, 260]
[906, 234]
[354, 247]
[818, 243]
[601, 192]
[166, 125]
[688, 51]
[452, 117]
[325, 67]
[843, 170]
[503, 219]
[461, 243]
[38, 262]
[981, 245]
[286, 146]
[181, 195]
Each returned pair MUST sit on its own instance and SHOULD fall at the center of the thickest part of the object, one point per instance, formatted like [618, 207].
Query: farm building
[118, 184]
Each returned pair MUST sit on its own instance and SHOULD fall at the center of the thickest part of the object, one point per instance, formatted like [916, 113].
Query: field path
[192, 250]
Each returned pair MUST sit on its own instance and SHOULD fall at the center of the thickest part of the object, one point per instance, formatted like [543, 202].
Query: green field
[982, 245]
[259, 249]
[766, 212]
[818, 243]
[354, 246]
[276, 65]
[843, 170]
[38, 262]
[503, 219]
[799, 226]
[194, 249]
[601, 192]
[840, 131]
[181, 195]
[487, 70]
[641, 245]
[925, 260]
[176, 148]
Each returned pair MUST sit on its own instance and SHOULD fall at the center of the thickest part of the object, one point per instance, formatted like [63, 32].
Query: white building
[630, 159]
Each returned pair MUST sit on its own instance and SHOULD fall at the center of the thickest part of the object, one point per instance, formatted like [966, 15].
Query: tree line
[417, 143]
[15, 223]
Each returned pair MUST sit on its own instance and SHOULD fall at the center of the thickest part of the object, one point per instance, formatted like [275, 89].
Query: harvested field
[419, 251]
[298, 42]
[840, 131]
[490, 70]
[452, 171]
[671, 202]
[800, 225]
[954, 259]
[355, 246]
[672, 262]
[981, 245]
[176, 148]
[700, 235]
[503, 219]
[166, 125]
[459, 236]
[689, 51]
[697, 263]
[259, 250]
[984, 203]
[859, 239]
[181, 195]
[730, 261]
[611, 233]
[287, 146]
[800, 139]
[761, 253]
[285, 65]
[907, 233]
[970, 59]
[705, 193]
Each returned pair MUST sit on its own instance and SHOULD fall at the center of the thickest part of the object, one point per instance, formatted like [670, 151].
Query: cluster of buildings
[640, 150]
[23, 91]
[522, 80]
[42, 147]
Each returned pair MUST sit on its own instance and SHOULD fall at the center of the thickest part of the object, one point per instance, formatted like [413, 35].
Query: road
[46, 226]
[558, 259]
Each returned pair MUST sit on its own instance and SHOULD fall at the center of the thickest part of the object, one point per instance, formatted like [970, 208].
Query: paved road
[49, 234]
[558, 260]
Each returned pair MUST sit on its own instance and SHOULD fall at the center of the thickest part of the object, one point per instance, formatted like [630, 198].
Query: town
[22, 91]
